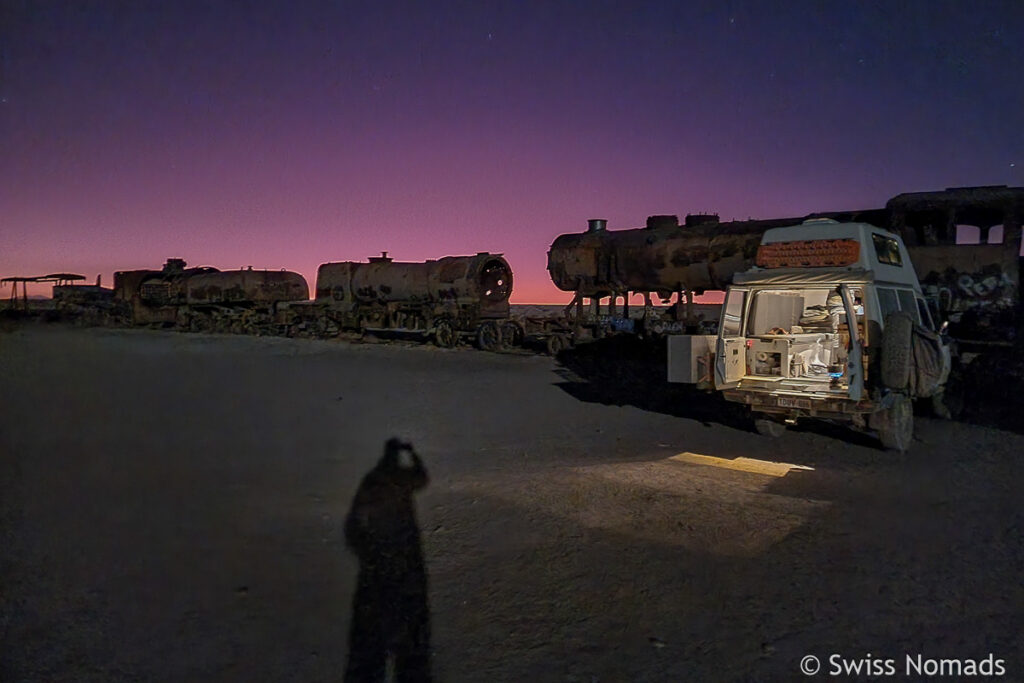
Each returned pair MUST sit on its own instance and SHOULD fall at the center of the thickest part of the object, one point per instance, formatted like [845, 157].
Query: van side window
[887, 250]
[926, 318]
[907, 304]
[887, 301]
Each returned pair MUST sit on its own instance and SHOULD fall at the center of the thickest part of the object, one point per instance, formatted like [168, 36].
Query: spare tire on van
[897, 350]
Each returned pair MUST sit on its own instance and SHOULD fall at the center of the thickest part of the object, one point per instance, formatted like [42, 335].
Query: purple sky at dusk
[284, 135]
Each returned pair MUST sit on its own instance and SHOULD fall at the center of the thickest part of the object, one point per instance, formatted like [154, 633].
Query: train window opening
[968, 234]
[929, 227]
[979, 234]
[976, 225]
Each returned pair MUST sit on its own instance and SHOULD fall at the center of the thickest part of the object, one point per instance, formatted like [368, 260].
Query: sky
[285, 135]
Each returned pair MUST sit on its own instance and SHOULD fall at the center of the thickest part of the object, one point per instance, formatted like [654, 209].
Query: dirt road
[172, 509]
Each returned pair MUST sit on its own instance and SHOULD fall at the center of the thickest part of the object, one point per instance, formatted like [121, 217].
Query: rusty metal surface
[82, 294]
[975, 286]
[206, 299]
[664, 258]
[981, 196]
[484, 278]
[442, 299]
[197, 286]
[245, 286]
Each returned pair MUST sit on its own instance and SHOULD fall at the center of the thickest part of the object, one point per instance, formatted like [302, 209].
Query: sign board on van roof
[808, 254]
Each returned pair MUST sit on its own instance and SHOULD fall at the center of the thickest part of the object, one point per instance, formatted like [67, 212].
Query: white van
[831, 323]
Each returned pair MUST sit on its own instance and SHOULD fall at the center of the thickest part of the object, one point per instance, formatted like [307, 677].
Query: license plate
[787, 402]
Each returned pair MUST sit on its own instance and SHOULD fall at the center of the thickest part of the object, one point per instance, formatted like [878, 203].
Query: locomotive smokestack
[597, 224]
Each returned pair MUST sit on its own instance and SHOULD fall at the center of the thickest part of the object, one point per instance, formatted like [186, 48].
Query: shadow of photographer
[390, 612]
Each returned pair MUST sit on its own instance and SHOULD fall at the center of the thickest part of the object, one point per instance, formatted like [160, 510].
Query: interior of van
[800, 335]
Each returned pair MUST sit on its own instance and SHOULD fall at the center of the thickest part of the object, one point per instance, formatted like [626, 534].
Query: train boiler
[445, 299]
[664, 258]
[244, 301]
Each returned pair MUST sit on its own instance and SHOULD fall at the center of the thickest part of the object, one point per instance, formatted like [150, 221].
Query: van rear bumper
[799, 405]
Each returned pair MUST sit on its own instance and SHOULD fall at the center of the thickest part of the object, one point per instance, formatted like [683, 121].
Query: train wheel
[511, 334]
[556, 343]
[444, 334]
[488, 337]
[200, 323]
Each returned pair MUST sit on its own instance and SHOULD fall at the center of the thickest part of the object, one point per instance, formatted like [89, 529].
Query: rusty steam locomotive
[449, 299]
[964, 242]
[206, 299]
[672, 261]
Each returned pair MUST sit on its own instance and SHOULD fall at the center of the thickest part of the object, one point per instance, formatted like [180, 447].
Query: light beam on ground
[772, 469]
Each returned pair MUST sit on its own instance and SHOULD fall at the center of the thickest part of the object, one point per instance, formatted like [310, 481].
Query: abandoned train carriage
[209, 300]
[966, 246]
[447, 299]
[965, 243]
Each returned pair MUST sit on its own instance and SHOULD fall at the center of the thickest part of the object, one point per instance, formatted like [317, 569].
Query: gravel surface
[172, 509]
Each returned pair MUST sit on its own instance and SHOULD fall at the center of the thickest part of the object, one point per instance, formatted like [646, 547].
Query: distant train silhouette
[447, 300]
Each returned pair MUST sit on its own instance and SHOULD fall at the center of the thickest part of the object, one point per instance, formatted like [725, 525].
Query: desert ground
[172, 509]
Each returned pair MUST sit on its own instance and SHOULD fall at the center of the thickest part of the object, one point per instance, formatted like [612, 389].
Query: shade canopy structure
[55, 278]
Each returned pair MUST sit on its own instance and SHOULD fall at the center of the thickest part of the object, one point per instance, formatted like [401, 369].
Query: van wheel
[896, 351]
[896, 425]
[770, 428]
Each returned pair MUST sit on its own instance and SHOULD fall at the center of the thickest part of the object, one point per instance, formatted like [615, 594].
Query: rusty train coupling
[964, 243]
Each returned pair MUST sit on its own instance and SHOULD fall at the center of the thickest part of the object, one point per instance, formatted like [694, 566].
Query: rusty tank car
[206, 299]
[663, 258]
[447, 299]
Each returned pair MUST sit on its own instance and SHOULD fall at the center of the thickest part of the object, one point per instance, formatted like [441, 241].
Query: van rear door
[855, 357]
[731, 348]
